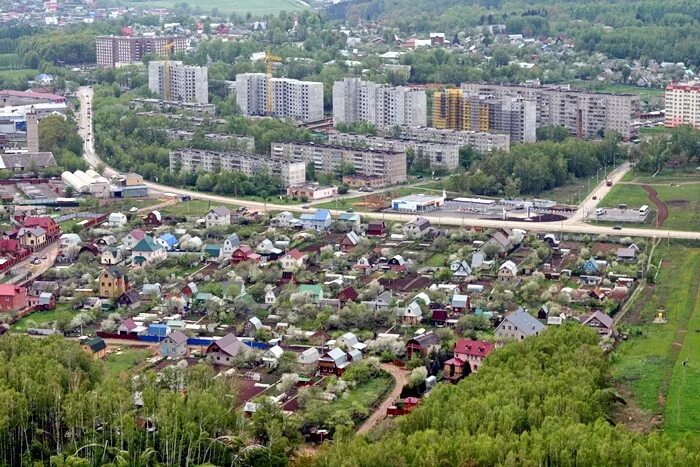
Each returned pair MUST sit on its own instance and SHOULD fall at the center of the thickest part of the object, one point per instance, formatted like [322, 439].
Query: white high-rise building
[683, 104]
[301, 101]
[383, 105]
[184, 82]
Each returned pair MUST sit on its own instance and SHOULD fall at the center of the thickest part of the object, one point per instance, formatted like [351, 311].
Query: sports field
[255, 7]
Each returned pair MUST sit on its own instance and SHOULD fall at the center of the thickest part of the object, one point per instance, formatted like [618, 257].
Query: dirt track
[400, 376]
[661, 207]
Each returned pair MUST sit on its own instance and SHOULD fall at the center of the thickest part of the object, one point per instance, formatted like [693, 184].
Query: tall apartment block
[481, 141]
[355, 100]
[683, 104]
[113, 51]
[457, 110]
[441, 154]
[584, 114]
[179, 82]
[190, 160]
[301, 101]
[375, 163]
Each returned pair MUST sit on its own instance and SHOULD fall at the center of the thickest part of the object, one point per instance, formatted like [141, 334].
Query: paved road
[35, 270]
[572, 225]
[400, 376]
[589, 204]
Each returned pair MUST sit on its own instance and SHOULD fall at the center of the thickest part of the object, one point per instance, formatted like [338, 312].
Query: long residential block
[301, 101]
[113, 51]
[376, 163]
[584, 114]
[481, 141]
[355, 100]
[291, 172]
[441, 154]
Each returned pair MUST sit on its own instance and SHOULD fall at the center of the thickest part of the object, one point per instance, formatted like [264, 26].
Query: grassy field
[20, 73]
[665, 176]
[125, 359]
[255, 7]
[365, 395]
[384, 197]
[44, 319]
[437, 260]
[649, 363]
[194, 208]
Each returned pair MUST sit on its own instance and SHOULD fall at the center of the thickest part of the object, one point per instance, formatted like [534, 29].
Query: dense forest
[543, 401]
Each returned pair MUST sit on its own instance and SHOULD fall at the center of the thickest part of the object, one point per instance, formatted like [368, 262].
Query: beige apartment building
[479, 140]
[683, 104]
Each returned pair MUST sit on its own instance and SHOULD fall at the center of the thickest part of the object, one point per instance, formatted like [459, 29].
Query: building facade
[291, 172]
[113, 51]
[457, 110]
[682, 104]
[584, 114]
[301, 101]
[175, 81]
[481, 141]
[441, 154]
[355, 100]
[390, 165]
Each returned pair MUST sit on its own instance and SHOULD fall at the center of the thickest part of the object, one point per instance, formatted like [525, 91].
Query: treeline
[59, 135]
[227, 183]
[58, 47]
[543, 401]
[680, 147]
[58, 407]
[532, 168]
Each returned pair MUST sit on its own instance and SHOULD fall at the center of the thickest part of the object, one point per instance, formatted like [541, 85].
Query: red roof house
[12, 297]
[472, 352]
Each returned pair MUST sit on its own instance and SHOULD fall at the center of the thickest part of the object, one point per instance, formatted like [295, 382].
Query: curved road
[400, 376]
[573, 225]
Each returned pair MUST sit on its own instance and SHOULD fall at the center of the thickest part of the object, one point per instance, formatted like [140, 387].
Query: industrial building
[355, 100]
[418, 202]
[683, 104]
[174, 80]
[584, 114]
[457, 110]
[98, 186]
[389, 165]
[114, 51]
[444, 155]
[11, 97]
[290, 172]
[302, 101]
[481, 141]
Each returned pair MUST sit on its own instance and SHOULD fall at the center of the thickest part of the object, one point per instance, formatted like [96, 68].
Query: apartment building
[231, 142]
[113, 51]
[180, 82]
[481, 141]
[457, 110]
[355, 100]
[441, 154]
[584, 114]
[374, 163]
[291, 172]
[301, 101]
[683, 104]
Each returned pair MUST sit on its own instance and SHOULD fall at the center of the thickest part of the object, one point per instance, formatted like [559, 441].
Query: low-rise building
[224, 350]
[519, 325]
[112, 283]
[174, 345]
[218, 217]
[312, 191]
[12, 297]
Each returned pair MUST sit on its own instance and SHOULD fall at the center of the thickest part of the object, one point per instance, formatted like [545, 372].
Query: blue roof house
[158, 329]
[319, 220]
[168, 241]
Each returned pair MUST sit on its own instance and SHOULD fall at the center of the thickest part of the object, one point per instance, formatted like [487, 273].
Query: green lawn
[357, 203]
[437, 260]
[255, 7]
[44, 319]
[125, 359]
[633, 196]
[194, 208]
[366, 395]
[665, 176]
[647, 362]
[21, 73]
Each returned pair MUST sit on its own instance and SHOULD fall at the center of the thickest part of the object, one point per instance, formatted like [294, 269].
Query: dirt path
[400, 376]
[661, 207]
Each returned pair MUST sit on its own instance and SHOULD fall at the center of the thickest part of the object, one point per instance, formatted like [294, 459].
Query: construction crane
[270, 60]
[167, 50]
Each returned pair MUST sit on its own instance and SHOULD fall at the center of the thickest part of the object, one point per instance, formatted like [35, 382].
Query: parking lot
[498, 210]
[619, 215]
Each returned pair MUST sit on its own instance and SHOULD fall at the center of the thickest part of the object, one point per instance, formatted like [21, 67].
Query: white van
[599, 212]
[643, 210]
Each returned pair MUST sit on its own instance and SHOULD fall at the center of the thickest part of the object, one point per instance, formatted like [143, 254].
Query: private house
[333, 362]
[113, 283]
[454, 369]
[477, 260]
[320, 220]
[348, 242]
[508, 273]
[439, 317]
[268, 251]
[412, 314]
[314, 290]
[592, 267]
[519, 325]
[112, 255]
[307, 361]
[627, 255]
[96, 346]
[272, 356]
[32, 238]
[189, 290]
[159, 330]
[129, 299]
[146, 252]
[129, 327]
[422, 345]
[117, 220]
[460, 269]
[472, 352]
[348, 294]
[168, 241]
[292, 260]
[363, 266]
[68, 240]
[600, 322]
[51, 228]
[244, 253]
[153, 219]
[460, 303]
[416, 228]
[44, 301]
[13, 297]
[270, 297]
[284, 220]
[132, 238]
[502, 242]
[174, 345]
[230, 244]
[252, 326]
[218, 217]
[349, 341]
[106, 240]
[376, 229]
[351, 219]
[39, 287]
[380, 302]
[222, 351]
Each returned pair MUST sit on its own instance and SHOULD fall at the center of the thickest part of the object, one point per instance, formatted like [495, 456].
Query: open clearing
[255, 7]
[650, 363]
